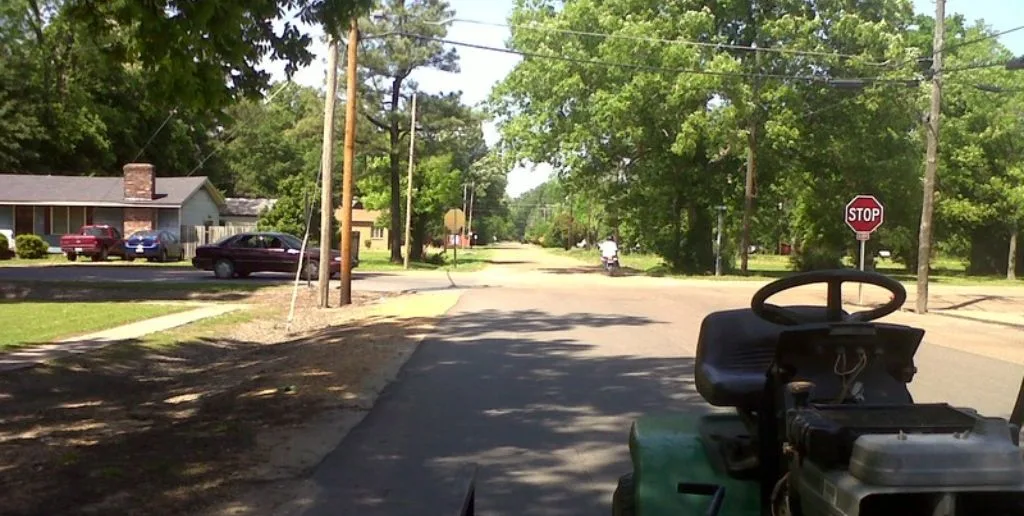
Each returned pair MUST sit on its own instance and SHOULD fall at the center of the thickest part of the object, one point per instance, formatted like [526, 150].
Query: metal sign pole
[860, 286]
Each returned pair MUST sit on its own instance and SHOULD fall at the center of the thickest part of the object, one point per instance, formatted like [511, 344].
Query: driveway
[538, 379]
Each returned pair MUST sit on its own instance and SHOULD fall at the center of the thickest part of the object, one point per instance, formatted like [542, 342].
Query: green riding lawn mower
[821, 423]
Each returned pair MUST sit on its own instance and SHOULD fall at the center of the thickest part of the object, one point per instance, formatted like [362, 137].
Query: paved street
[537, 380]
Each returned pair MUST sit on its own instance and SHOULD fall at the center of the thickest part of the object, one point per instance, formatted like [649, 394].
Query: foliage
[5, 247]
[658, 144]
[30, 247]
[296, 204]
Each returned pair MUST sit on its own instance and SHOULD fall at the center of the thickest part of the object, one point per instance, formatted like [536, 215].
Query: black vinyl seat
[734, 351]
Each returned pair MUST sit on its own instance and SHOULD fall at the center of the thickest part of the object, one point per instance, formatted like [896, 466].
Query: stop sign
[864, 214]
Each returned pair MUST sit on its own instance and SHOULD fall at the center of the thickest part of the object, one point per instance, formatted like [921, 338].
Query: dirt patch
[141, 429]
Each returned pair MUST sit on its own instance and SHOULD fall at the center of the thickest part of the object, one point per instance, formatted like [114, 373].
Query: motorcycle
[610, 264]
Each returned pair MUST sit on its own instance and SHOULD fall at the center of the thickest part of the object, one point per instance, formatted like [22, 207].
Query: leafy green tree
[388, 63]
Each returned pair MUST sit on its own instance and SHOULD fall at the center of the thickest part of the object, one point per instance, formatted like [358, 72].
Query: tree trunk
[419, 240]
[396, 175]
[1011, 259]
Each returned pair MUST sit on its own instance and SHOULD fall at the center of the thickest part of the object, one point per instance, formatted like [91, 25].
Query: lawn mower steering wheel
[834, 308]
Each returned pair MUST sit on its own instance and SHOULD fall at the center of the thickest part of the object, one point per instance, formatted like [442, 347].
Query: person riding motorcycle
[609, 251]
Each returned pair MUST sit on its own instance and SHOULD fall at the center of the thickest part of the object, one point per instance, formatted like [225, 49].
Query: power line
[703, 44]
[612, 64]
[947, 48]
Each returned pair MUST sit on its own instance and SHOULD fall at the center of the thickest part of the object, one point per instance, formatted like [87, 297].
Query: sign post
[455, 221]
[864, 214]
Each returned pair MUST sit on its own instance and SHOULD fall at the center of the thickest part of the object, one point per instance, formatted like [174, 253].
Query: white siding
[198, 209]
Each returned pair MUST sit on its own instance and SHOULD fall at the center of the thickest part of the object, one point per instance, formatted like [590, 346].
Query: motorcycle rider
[609, 249]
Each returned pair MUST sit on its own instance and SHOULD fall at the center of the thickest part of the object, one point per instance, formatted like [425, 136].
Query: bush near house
[30, 247]
[5, 248]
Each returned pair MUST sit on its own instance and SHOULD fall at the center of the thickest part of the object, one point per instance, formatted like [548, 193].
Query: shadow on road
[170, 430]
[500, 389]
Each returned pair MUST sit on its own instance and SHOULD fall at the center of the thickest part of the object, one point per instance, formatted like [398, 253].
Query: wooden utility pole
[748, 188]
[408, 193]
[469, 215]
[327, 165]
[351, 102]
[465, 196]
[924, 239]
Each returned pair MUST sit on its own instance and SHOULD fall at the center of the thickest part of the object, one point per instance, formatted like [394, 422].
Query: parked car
[154, 245]
[97, 241]
[243, 254]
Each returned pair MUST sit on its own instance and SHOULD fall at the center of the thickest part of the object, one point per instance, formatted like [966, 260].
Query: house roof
[171, 192]
[242, 207]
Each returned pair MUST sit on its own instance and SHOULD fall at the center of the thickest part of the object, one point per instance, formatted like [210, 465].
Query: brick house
[51, 206]
[364, 224]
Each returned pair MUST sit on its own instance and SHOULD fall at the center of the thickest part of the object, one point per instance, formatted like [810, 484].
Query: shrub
[30, 247]
[5, 248]
[812, 258]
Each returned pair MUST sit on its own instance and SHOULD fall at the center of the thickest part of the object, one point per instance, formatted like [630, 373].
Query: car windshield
[145, 234]
[93, 231]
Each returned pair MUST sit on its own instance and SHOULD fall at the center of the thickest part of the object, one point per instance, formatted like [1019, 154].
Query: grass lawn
[944, 270]
[41, 322]
[56, 260]
[469, 260]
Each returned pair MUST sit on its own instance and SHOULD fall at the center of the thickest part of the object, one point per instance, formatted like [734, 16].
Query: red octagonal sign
[864, 214]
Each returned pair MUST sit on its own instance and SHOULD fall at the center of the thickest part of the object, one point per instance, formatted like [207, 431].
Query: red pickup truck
[95, 241]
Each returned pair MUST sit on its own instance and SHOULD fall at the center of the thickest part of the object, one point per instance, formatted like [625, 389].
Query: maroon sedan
[243, 254]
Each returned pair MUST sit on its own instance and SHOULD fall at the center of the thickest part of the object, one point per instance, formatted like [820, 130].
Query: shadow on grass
[132, 429]
[96, 291]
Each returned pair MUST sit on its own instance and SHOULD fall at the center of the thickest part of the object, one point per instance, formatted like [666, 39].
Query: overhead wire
[684, 42]
[614, 64]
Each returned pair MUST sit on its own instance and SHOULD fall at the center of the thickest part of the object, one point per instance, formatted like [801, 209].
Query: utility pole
[718, 241]
[408, 193]
[327, 165]
[351, 101]
[924, 239]
[465, 196]
[748, 189]
[469, 216]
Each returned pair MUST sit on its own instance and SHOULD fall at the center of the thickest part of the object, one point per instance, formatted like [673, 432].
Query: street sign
[864, 214]
[455, 220]
[863, 236]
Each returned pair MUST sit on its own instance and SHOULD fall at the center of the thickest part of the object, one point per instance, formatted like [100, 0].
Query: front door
[24, 220]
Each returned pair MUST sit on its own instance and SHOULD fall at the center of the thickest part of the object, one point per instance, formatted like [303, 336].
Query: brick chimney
[139, 182]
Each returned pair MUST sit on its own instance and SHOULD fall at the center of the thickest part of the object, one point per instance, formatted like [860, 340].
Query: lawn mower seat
[734, 350]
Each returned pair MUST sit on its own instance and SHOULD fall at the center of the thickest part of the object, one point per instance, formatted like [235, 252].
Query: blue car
[153, 245]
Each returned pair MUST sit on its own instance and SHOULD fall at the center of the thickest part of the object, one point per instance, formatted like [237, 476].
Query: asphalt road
[537, 383]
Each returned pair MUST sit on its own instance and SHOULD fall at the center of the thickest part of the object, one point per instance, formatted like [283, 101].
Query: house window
[377, 233]
[59, 220]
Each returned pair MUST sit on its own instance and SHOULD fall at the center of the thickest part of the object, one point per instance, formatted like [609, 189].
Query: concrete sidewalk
[31, 356]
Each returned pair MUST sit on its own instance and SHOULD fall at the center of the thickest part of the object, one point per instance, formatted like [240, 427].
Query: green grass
[469, 260]
[945, 271]
[59, 260]
[23, 323]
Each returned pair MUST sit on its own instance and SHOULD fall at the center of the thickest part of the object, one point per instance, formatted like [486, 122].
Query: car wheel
[129, 258]
[72, 257]
[224, 269]
[101, 256]
[163, 255]
[311, 270]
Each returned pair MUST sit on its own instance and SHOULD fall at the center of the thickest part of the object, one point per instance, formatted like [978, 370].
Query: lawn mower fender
[666, 451]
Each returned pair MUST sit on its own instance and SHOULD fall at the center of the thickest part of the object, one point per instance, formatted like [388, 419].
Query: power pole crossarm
[924, 249]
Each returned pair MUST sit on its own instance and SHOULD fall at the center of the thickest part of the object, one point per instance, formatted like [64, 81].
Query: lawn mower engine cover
[922, 459]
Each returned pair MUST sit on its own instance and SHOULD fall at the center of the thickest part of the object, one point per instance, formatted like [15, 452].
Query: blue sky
[480, 69]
